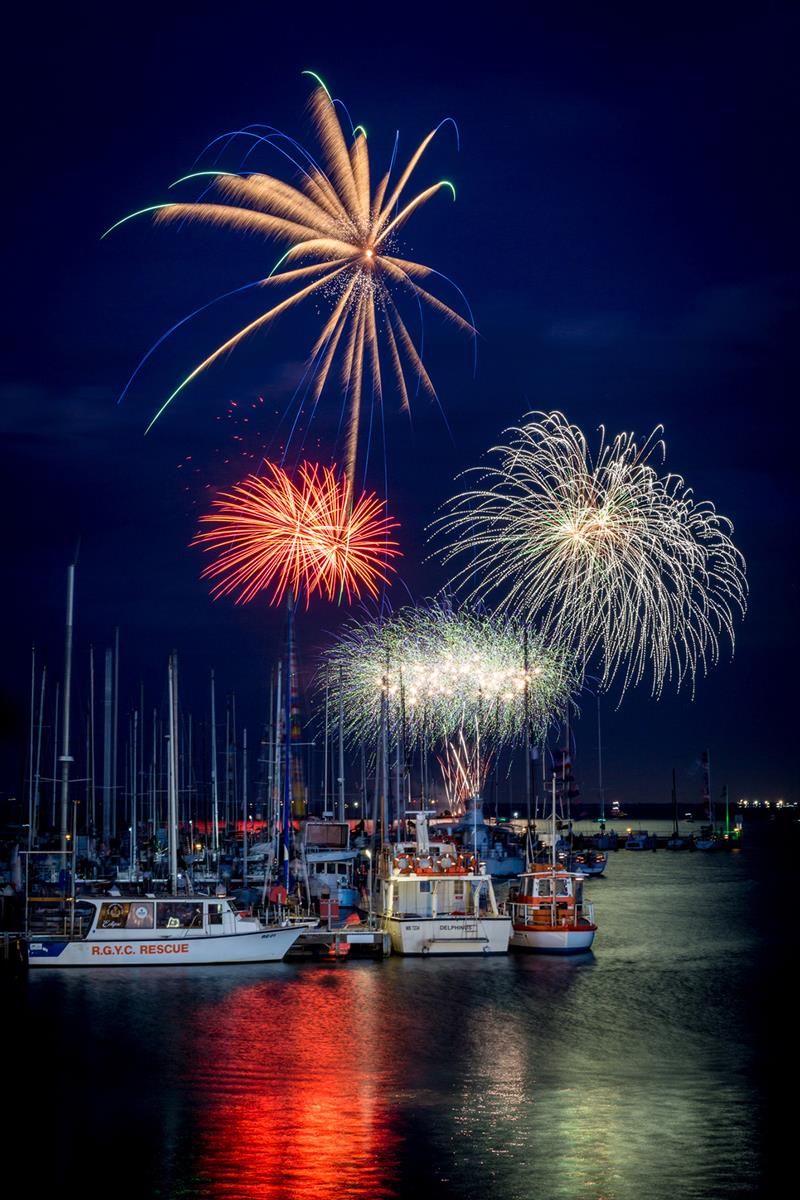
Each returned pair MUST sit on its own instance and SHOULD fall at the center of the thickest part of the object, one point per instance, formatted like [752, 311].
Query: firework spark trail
[464, 771]
[602, 552]
[451, 669]
[309, 535]
[341, 236]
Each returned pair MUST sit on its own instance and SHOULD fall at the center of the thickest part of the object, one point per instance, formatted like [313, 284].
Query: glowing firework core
[309, 536]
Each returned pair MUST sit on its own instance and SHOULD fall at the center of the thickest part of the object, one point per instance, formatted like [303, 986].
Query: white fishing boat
[441, 904]
[145, 931]
[548, 912]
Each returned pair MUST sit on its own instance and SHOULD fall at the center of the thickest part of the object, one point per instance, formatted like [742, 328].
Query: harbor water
[649, 1068]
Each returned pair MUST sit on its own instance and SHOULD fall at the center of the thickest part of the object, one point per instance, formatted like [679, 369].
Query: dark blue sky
[625, 230]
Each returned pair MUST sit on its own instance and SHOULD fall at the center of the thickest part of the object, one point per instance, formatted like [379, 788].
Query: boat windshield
[179, 914]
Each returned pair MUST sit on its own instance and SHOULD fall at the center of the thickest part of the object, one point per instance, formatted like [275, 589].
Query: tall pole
[65, 754]
[244, 807]
[341, 748]
[214, 780]
[287, 770]
[275, 782]
[30, 753]
[91, 764]
[115, 735]
[325, 809]
[108, 693]
[172, 774]
[38, 771]
[600, 762]
[134, 796]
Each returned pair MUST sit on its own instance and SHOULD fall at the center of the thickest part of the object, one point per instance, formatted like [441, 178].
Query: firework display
[443, 669]
[342, 232]
[307, 535]
[464, 771]
[605, 554]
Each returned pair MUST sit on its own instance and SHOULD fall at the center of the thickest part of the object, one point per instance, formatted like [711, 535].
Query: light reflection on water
[636, 1071]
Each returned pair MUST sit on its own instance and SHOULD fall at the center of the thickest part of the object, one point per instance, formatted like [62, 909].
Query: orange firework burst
[307, 535]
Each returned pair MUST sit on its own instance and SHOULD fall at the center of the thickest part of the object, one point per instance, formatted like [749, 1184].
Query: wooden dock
[349, 941]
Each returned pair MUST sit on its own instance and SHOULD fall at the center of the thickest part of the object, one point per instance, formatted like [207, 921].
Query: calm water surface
[646, 1069]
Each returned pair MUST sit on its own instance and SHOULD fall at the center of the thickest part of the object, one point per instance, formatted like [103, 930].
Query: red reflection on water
[298, 1101]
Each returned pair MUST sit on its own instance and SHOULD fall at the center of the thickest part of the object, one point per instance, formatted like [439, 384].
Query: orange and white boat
[548, 912]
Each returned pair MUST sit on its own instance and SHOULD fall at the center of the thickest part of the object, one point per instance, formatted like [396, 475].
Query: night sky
[625, 230]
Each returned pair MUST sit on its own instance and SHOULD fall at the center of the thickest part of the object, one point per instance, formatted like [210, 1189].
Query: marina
[398, 787]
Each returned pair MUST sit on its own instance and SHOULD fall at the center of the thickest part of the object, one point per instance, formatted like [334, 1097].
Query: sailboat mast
[214, 779]
[287, 770]
[65, 755]
[341, 747]
[172, 774]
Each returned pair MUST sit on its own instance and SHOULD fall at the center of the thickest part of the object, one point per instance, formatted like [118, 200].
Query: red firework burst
[304, 534]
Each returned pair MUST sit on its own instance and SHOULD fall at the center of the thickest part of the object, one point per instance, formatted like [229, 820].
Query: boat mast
[38, 773]
[172, 774]
[341, 746]
[244, 807]
[214, 779]
[134, 807]
[600, 763]
[30, 753]
[287, 738]
[65, 754]
[325, 809]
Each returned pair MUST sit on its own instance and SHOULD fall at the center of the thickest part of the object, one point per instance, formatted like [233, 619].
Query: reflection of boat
[547, 907]
[441, 904]
[142, 931]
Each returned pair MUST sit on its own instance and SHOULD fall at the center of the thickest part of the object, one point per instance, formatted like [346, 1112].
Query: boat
[150, 931]
[587, 862]
[327, 861]
[706, 839]
[441, 904]
[640, 839]
[548, 912]
[675, 841]
[494, 845]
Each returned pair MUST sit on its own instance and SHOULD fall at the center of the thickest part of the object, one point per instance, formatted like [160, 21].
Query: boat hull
[269, 945]
[448, 935]
[554, 939]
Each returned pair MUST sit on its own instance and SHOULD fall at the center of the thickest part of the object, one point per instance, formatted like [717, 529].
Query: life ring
[447, 861]
[424, 864]
[403, 863]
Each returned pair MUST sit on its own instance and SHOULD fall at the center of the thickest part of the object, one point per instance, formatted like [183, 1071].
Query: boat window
[544, 887]
[119, 914]
[180, 916]
[578, 892]
[215, 914]
[562, 887]
[458, 887]
[424, 885]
